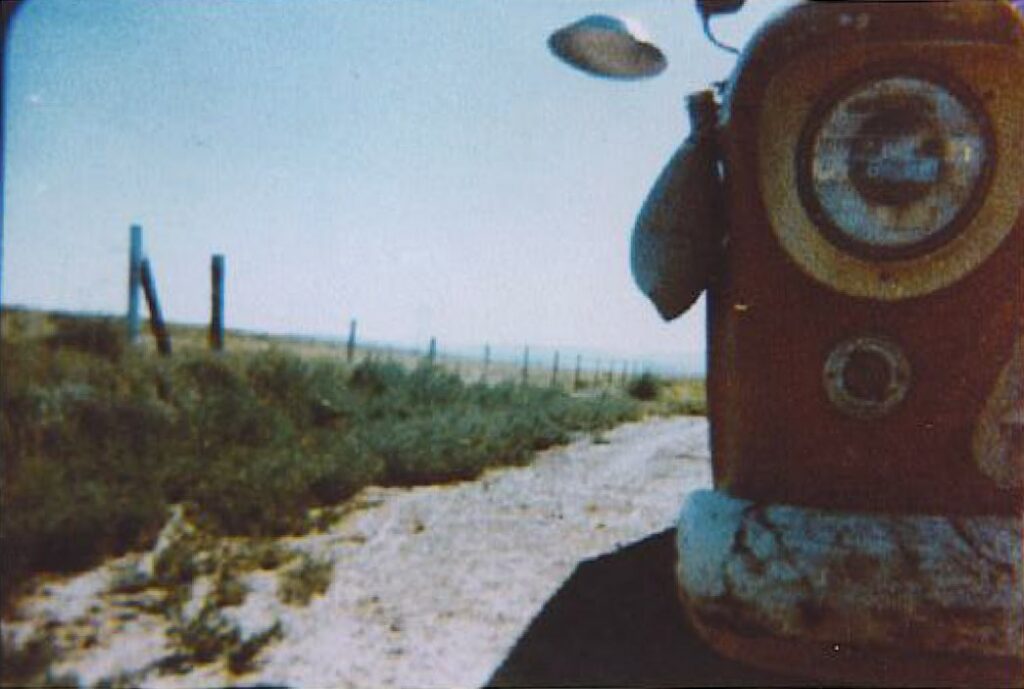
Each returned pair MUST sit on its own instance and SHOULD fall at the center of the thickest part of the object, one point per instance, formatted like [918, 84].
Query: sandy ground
[432, 586]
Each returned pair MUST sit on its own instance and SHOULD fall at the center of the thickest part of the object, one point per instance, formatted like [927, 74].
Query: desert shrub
[333, 404]
[375, 378]
[205, 637]
[261, 553]
[56, 518]
[102, 337]
[308, 577]
[338, 466]
[241, 658]
[682, 397]
[429, 386]
[426, 449]
[282, 381]
[222, 410]
[99, 442]
[253, 492]
[210, 636]
[645, 387]
[228, 589]
[27, 664]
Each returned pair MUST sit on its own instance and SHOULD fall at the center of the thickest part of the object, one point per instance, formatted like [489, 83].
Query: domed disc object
[607, 47]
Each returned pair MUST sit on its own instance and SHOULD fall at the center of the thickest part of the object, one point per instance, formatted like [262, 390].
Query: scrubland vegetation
[100, 440]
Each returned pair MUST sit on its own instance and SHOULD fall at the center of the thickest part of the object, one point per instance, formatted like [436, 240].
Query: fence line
[486, 369]
[141, 279]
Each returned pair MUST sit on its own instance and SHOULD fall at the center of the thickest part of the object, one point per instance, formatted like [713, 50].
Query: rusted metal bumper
[855, 597]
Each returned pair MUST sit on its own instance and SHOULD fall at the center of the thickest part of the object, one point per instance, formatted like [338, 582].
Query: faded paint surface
[999, 435]
[786, 296]
[915, 583]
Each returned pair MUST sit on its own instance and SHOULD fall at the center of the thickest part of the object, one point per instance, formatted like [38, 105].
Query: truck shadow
[617, 622]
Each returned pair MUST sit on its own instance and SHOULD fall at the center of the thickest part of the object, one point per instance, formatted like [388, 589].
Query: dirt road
[433, 586]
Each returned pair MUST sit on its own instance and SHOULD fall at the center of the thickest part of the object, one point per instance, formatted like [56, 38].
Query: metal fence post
[156, 317]
[217, 303]
[134, 282]
[350, 348]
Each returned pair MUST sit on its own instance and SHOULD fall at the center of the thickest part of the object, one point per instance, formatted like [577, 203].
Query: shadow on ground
[617, 622]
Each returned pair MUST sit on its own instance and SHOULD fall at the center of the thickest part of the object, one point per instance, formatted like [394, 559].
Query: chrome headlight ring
[895, 163]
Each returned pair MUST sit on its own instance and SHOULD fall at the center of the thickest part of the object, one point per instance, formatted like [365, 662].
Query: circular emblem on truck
[865, 377]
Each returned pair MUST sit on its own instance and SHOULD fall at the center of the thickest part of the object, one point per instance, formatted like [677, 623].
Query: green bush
[60, 518]
[375, 378]
[99, 442]
[645, 387]
[240, 659]
[103, 337]
[306, 578]
[28, 664]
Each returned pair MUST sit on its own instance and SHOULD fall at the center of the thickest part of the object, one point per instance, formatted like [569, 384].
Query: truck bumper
[855, 597]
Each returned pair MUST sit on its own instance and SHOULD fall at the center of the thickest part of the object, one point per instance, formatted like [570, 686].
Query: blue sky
[426, 167]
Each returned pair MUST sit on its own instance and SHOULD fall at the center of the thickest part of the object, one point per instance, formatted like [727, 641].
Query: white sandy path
[433, 585]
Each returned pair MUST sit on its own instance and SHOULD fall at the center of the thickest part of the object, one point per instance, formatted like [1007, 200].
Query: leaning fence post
[217, 303]
[156, 318]
[134, 280]
[350, 348]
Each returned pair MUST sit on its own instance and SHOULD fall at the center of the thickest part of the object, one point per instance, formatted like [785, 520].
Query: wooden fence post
[576, 374]
[554, 371]
[134, 280]
[217, 303]
[487, 363]
[350, 348]
[156, 318]
[432, 351]
[526, 364]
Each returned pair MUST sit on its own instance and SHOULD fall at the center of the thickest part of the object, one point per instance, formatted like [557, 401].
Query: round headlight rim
[845, 87]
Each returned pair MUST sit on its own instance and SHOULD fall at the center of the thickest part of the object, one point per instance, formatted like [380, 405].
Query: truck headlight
[894, 177]
[893, 167]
